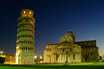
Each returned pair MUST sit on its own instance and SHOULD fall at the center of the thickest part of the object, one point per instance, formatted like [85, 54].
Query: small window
[73, 56]
[70, 49]
[63, 50]
[91, 54]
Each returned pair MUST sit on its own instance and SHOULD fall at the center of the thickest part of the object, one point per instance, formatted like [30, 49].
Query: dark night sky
[53, 19]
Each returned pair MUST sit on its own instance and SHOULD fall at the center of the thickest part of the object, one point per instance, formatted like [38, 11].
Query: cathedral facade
[70, 51]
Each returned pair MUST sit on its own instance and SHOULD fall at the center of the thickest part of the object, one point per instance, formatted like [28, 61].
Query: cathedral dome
[68, 37]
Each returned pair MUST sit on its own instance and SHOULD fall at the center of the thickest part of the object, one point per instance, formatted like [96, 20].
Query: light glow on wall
[1, 52]
[24, 11]
[29, 12]
[16, 58]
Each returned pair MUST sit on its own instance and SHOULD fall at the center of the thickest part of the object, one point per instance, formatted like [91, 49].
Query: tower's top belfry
[27, 12]
[26, 16]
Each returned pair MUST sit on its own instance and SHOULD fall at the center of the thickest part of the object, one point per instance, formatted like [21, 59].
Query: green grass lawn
[99, 65]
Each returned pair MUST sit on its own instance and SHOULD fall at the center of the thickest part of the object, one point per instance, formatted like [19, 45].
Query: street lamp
[35, 57]
[41, 57]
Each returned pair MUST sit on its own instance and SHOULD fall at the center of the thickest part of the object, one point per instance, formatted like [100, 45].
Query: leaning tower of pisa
[25, 38]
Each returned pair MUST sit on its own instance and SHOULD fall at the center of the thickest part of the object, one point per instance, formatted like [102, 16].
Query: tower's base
[26, 60]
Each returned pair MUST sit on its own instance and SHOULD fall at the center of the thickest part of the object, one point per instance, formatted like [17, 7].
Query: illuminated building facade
[9, 59]
[103, 58]
[70, 51]
[25, 38]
